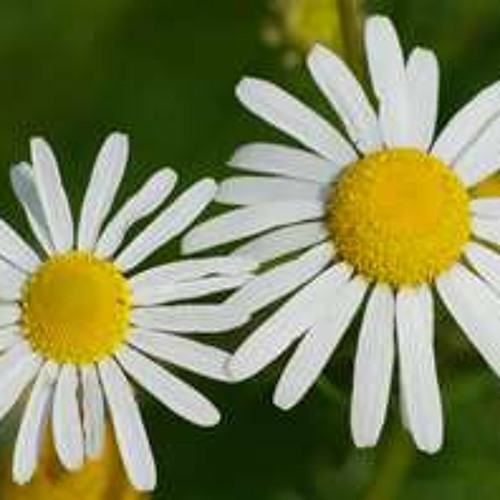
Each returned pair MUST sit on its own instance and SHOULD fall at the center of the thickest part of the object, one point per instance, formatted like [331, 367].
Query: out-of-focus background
[164, 72]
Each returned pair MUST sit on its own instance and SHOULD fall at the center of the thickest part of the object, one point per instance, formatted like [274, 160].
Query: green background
[164, 72]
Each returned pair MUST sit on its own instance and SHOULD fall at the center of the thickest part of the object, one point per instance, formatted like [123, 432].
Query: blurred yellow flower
[298, 24]
[97, 480]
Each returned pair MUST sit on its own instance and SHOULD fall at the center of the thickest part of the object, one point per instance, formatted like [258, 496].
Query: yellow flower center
[399, 216]
[76, 308]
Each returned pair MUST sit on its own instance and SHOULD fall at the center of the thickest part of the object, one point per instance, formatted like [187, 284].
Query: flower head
[77, 314]
[379, 222]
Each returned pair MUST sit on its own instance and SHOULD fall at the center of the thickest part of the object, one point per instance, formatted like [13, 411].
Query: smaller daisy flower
[78, 316]
[388, 216]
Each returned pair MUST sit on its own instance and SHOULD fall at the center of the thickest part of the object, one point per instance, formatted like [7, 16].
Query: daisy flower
[381, 222]
[77, 316]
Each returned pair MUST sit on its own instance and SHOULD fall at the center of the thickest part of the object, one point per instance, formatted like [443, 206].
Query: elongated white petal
[131, 435]
[347, 97]
[18, 367]
[415, 334]
[281, 280]
[318, 345]
[11, 281]
[288, 114]
[66, 421]
[486, 262]
[467, 124]
[373, 367]
[171, 391]
[422, 72]
[93, 412]
[486, 229]
[183, 352]
[486, 207]
[476, 308]
[15, 250]
[104, 182]
[285, 161]
[248, 221]
[10, 336]
[255, 190]
[23, 184]
[388, 75]
[199, 318]
[52, 195]
[190, 270]
[149, 197]
[169, 224]
[173, 292]
[9, 314]
[278, 332]
[33, 424]
[283, 241]
[480, 159]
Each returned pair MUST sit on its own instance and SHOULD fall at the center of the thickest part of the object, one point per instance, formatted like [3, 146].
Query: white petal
[422, 71]
[283, 241]
[18, 367]
[183, 352]
[486, 207]
[171, 391]
[93, 412]
[33, 424]
[169, 224]
[467, 124]
[23, 184]
[318, 345]
[347, 97]
[486, 262]
[149, 197]
[173, 292]
[480, 159]
[9, 314]
[190, 270]
[278, 332]
[11, 281]
[66, 422]
[285, 161]
[131, 435]
[107, 174]
[10, 336]
[388, 75]
[185, 318]
[281, 280]
[52, 195]
[248, 221]
[288, 114]
[476, 309]
[486, 229]
[373, 367]
[415, 334]
[255, 190]
[15, 250]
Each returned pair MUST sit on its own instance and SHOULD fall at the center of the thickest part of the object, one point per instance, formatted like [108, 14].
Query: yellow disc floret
[76, 308]
[399, 216]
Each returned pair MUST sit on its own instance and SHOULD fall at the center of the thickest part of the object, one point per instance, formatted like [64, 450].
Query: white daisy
[77, 317]
[386, 215]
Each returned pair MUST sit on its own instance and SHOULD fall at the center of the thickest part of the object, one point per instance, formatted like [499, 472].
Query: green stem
[396, 462]
[351, 21]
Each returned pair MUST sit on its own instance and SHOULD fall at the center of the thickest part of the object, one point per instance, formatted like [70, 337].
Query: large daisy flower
[384, 216]
[77, 316]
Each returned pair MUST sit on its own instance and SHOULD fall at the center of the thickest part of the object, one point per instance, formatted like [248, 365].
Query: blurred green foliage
[164, 72]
